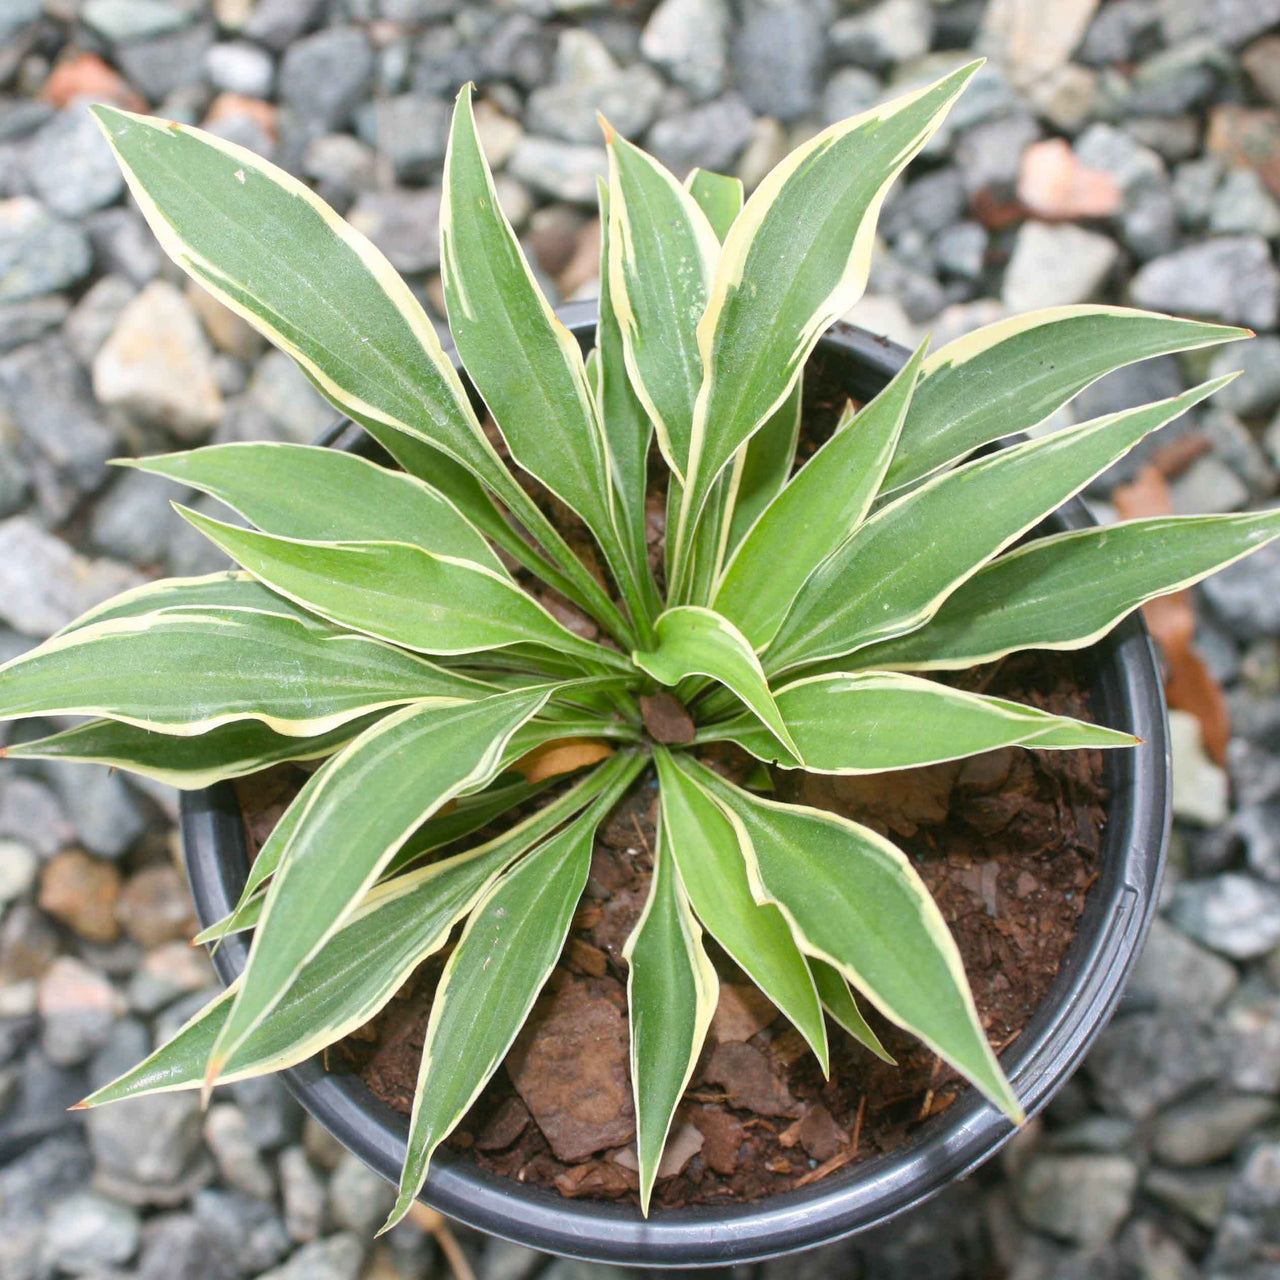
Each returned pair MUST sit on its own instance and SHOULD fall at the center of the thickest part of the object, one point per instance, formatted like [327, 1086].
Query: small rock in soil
[569, 1064]
[724, 1135]
[748, 1080]
[742, 1010]
[817, 1132]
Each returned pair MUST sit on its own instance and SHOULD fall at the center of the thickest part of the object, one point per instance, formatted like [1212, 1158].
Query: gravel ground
[1126, 152]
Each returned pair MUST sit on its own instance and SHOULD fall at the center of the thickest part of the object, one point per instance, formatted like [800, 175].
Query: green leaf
[399, 592]
[714, 874]
[894, 573]
[873, 721]
[838, 1001]
[267, 247]
[672, 990]
[662, 252]
[567, 575]
[524, 362]
[627, 431]
[1068, 591]
[507, 951]
[695, 641]
[818, 511]
[765, 464]
[719, 197]
[226, 589]
[1014, 374]
[397, 925]
[855, 901]
[369, 801]
[187, 673]
[325, 495]
[229, 751]
[796, 260]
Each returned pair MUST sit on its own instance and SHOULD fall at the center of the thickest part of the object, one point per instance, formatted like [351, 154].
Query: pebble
[123, 244]
[778, 51]
[250, 1228]
[1230, 278]
[1245, 596]
[338, 1257]
[108, 815]
[403, 224]
[87, 1231]
[1053, 183]
[1056, 266]
[359, 1199]
[44, 584]
[1201, 1194]
[18, 868]
[155, 906]
[147, 1150]
[304, 1195]
[133, 519]
[409, 131]
[1231, 913]
[70, 166]
[81, 892]
[22, 322]
[159, 66]
[239, 66]
[711, 135]
[128, 1044]
[1200, 787]
[1081, 1199]
[124, 21]
[77, 1006]
[890, 32]
[157, 365]
[177, 1246]
[1172, 970]
[226, 1131]
[1242, 205]
[277, 23]
[324, 77]
[688, 39]
[561, 170]
[39, 253]
[1204, 1129]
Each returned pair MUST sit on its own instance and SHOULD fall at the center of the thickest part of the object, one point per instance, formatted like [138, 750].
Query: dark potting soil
[1008, 843]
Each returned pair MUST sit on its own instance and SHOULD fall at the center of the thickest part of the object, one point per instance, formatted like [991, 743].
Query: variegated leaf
[719, 196]
[838, 1001]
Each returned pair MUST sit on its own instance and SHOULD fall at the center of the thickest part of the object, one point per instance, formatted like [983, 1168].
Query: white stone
[1055, 266]
[1199, 786]
[18, 866]
[157, 365]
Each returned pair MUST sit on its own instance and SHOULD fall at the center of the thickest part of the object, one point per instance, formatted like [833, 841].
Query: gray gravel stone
[41, 1091]
[44, 584]
[108, 815]
[1259, 827]
[1083, 1199]
[133, 519]
[359, 1198]
[628, 98]
[410, 131]
[1173, 971]
[849, 92]
[1246, 596]
[336, 1258]
[123, 21]
[239, 1161]
[403, 224]
[123, 244]
[151, 1142]
[277, 23]
[711, 135]
[562, 170]
[251, 1229]
[688, 39]
[177, 1246]
[39, 254]
[18, 866]
[1242, 205]
[1231, 22]
[1230, 278]
[324, 77]
[1143, 1061]
[1232, 913]
[29, 1185]
[87, 1231]
[961, 250]
[33, 813]
[127, 1045]
[22, 322]
[1200, 1194]
[70, 166]
[890, 32]
[304, 1195]
[778, 51]
[1209, 1127]
[274, 1115]
[159, 66]
[1257, 389]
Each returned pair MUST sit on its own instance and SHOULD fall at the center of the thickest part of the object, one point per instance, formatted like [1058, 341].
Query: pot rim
[1128, 693]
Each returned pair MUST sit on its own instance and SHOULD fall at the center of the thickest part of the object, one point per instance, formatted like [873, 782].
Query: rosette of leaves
[387, 622]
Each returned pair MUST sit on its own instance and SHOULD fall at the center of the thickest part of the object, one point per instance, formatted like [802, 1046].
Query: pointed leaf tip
[606, 128]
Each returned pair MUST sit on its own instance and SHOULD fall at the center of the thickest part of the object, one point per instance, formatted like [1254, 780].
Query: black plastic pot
[1127, 694]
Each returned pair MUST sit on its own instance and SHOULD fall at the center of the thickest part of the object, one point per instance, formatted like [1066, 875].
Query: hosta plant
[387, 624]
